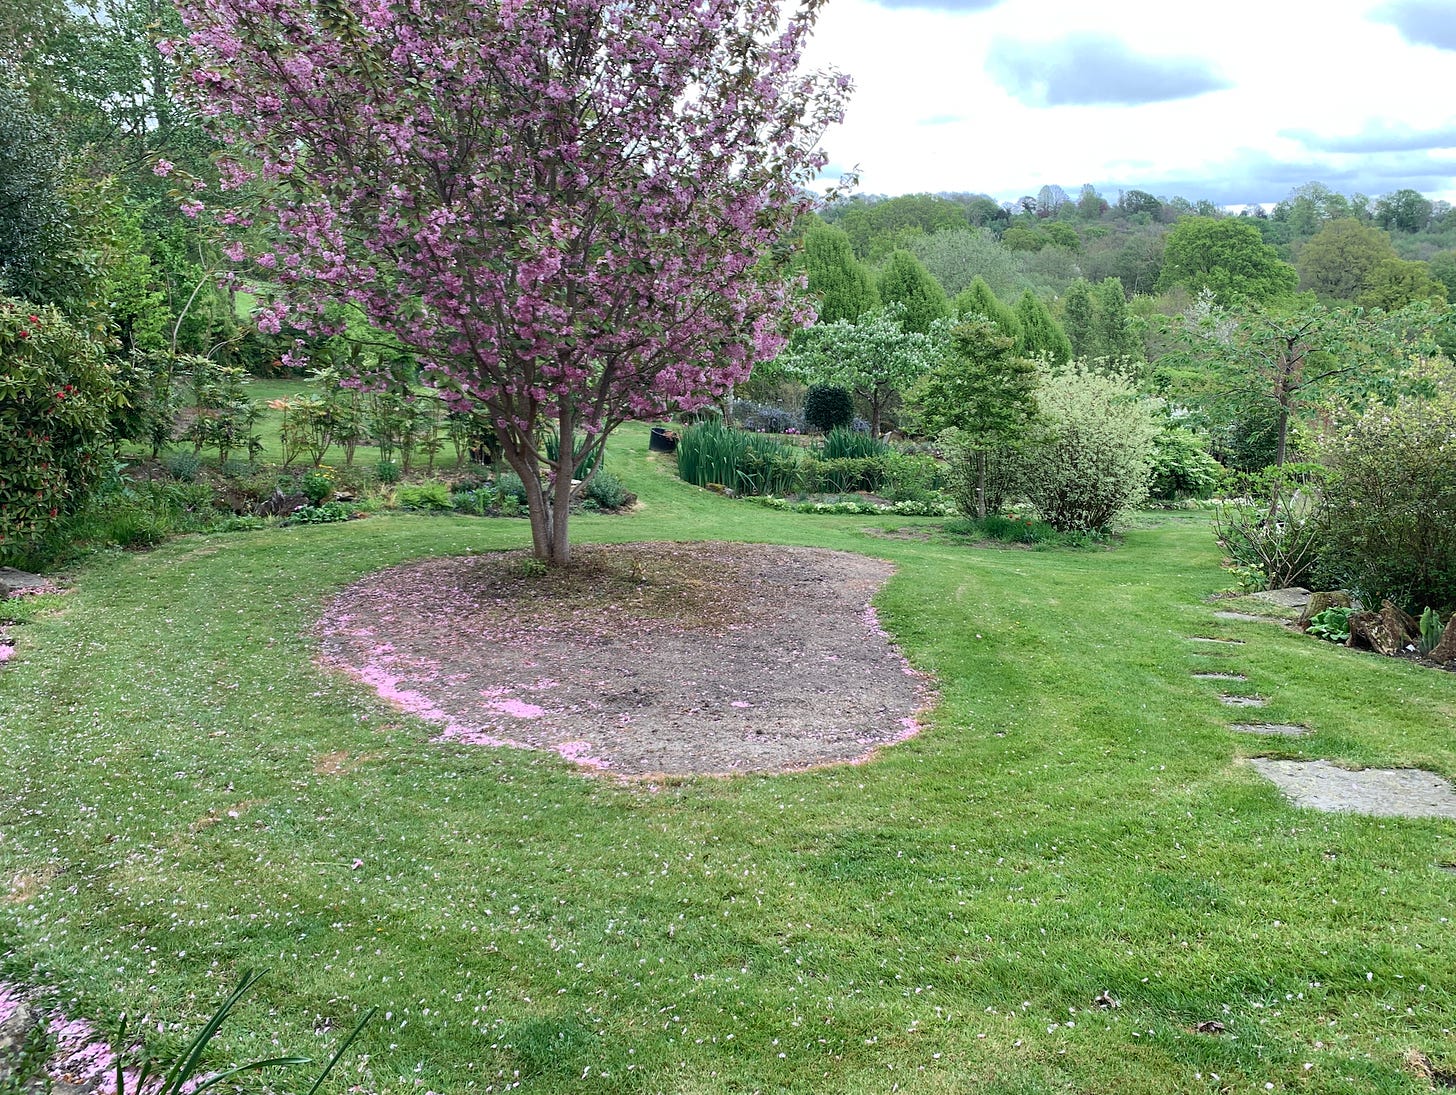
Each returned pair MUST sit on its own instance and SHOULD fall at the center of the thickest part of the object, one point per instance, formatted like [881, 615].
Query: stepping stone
[1229, 700]
[1288, 597]
[1248, 618]
[1382, 792]
[1220, 642]
[1271, 729]
[1219, 677]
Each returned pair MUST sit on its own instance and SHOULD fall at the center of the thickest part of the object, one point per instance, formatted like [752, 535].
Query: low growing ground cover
[186, 794]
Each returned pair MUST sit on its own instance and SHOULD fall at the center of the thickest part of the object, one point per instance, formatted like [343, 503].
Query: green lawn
[1075, 820]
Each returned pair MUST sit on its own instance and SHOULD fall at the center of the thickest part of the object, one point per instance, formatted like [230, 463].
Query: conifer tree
[979, 300]
[904, 280]
[1113, 336]
[842, 285]
[1079, 319]
[1041, 336]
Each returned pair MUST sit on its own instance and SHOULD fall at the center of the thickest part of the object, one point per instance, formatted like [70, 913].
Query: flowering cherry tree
[563, 207]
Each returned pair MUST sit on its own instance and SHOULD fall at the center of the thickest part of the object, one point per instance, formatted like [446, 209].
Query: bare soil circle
[641, 659]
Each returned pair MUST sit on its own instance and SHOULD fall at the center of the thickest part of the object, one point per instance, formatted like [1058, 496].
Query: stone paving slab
[1247, 617]
[1271, 729]
[1381, 792]
[14, 582]
[1289, 597]
[1219, 677]
[1229, 700]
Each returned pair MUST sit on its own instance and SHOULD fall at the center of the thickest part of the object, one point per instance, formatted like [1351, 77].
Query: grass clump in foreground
[202, 798]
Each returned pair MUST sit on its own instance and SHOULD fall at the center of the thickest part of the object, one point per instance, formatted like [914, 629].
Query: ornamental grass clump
[1272, 526]
[711, 452]
[845, 442]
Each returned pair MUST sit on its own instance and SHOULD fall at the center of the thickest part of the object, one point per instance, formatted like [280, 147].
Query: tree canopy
[494, 187]
[1229, 258]
[877, 358]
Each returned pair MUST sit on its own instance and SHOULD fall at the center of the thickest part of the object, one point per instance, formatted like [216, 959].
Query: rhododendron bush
[562, 207]
[55, 397]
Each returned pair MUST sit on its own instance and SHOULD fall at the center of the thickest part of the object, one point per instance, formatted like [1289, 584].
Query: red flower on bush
[24, 333]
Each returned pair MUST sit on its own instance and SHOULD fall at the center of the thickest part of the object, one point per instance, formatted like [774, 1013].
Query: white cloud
[1311, 84]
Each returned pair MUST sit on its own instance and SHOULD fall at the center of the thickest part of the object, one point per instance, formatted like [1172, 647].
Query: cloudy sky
[1232, 100]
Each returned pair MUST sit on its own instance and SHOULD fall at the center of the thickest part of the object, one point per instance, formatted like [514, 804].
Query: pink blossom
[595, 261]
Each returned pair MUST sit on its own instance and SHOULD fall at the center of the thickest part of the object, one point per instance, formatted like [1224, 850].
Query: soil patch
[640, 659]
[1383, 792]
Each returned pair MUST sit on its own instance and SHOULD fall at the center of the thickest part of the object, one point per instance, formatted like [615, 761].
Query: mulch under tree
[640, 659]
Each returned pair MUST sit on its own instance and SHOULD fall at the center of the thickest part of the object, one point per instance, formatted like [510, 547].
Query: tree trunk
[981, 484]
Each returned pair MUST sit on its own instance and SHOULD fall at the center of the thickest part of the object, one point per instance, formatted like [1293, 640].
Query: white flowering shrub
[1090, 458]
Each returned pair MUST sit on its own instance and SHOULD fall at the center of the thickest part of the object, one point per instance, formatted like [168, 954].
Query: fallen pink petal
[660, 659]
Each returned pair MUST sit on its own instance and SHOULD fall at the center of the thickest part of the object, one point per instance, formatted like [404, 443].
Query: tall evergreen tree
[843, 286]
[979, 300]
[1113, 336]
[906, 282]
[1041, 335]
[1079, 319]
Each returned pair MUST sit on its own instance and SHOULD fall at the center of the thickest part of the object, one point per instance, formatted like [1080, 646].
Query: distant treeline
[1380, 251]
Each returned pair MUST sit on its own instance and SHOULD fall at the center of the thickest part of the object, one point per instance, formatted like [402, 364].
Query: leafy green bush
[911, 478]
[223, 416]
[387, 472]
[326, 514]
[962, 476]
[607, 491]
[1181, 467]
[842, 442]
[1089, 457]
[1007, 530]
[317, 485]
[827, 407]
[246, 523]
[509, 486]
[433, 496]
[843, 475]
[55, 396]
[1390, 508]
[473, 500]
[148, 401]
